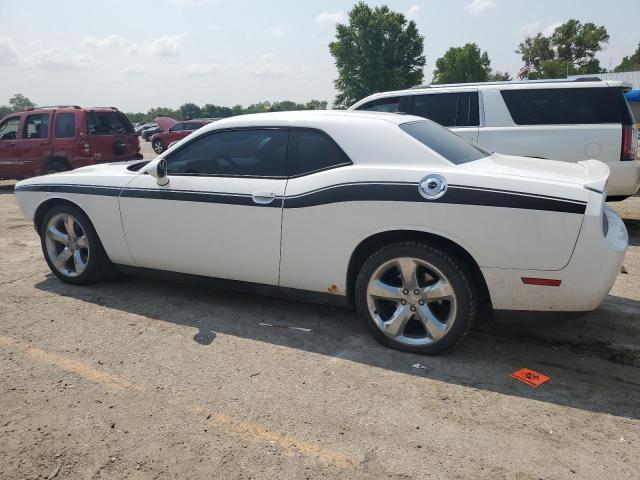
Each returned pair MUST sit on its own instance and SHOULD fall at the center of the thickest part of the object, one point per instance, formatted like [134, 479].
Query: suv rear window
[567, 106]
[389, 105]
[459, 109]
[444, 142]
[107, 123]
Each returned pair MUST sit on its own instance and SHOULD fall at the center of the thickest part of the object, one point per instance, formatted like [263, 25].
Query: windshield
[444, 142]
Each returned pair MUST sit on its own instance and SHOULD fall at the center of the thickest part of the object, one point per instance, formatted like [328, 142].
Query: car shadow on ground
[6, 188]
[633, 227]
[593, 361]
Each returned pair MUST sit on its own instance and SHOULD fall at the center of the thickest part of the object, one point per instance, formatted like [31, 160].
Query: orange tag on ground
[530, 377]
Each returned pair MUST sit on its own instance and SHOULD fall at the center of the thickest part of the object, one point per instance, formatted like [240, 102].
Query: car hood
[165, 123]
[114, 174]
[591, 174]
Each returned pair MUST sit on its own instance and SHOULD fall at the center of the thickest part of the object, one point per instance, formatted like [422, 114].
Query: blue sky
[144, 53]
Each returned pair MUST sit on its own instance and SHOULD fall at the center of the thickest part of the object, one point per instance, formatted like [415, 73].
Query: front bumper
[585, 281]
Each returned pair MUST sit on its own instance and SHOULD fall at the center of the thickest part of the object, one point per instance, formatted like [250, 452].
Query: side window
[65, 125]
[36, 126]
[311, 151]
[178, 127]
[567, 106]
[235, 153]
[107, 123]
[390, 105]
[9, 128]
[448, 109]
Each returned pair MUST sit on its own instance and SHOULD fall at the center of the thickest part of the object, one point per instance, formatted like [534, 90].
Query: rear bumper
[624, 179]
[585, 281]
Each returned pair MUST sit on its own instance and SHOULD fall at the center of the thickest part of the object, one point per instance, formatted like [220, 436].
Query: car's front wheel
[416, 298]
[71, 246]
[157, 146]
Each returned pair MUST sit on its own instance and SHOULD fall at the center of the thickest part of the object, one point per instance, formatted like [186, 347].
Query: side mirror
[158, 170]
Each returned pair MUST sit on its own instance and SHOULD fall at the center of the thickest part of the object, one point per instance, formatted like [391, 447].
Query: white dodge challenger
[413, 225]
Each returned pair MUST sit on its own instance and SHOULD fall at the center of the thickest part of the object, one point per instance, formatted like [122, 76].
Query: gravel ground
[142, 379]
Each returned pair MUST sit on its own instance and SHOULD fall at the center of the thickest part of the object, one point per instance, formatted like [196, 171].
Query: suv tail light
[85, 147]
[629, 143]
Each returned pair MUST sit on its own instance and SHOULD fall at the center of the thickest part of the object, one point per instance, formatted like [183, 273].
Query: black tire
[97, 264]
[158, 146]
[55, 166]
[458, 276]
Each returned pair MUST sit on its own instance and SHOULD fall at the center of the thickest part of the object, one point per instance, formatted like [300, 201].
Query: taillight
[629, 144]
[85, 148]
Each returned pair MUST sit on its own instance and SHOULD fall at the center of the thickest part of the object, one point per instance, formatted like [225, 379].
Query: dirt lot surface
[142, 379]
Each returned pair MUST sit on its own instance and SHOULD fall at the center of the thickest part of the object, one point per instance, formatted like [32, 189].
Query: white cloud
[304, 74]
[8, 53]
[57, 59]
[548, 31]
[165, 46]
[476, 7]
[200, 70]
[137, 69]
[327, 18]
[266, 66]
[277, 32]
[530, 29]
[413, 12]
[103, 42]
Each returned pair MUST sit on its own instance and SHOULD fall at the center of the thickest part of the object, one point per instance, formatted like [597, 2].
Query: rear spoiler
[597, 175]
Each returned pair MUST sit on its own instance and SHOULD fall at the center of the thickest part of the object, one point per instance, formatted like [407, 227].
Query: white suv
[568, 120]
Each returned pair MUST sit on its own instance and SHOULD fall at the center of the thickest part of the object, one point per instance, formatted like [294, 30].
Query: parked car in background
[142, 126]
[161, 140]
[55, 139]
[147, 132]
[569, 120]
[415, 226]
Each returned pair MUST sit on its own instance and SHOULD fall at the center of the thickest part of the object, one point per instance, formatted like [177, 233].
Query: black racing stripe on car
[408, 192]
[347, 192]
[201, 197]
[81, 189]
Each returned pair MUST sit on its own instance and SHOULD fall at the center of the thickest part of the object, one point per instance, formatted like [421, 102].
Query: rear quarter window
[444, 142]
[567, 106]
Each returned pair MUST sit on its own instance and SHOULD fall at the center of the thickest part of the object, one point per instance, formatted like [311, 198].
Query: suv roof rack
[112, 108]
[51, 106]
[510, 82]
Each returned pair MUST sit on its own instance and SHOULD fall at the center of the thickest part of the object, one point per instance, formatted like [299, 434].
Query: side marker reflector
[547, 282]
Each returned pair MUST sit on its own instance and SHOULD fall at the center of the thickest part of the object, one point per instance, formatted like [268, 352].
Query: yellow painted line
[79, 368]
[258, 433]
[248, 430]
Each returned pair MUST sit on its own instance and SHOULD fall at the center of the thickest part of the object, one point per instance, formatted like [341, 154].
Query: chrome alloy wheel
[67, 245]
[411, 301]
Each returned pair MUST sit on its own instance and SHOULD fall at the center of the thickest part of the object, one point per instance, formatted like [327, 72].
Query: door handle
[263, 198]
[11, 144]
[44, 144]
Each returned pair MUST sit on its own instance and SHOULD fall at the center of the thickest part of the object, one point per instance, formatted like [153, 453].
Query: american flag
[524, 71]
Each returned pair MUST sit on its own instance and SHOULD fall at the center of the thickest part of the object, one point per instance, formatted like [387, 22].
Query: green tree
[377, 50]
[570, 50]
[316, 105]
[164, 112]
[630, 63]
[497, 76]
[462, 65]
[19, 103]
[190, 110]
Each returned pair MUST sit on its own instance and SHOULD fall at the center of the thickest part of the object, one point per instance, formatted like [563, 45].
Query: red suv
[54, 139]
[160, 141]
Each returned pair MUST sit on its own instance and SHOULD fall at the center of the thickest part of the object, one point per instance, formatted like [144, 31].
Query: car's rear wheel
[157, 146]
[416, 298]
[71, 246]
